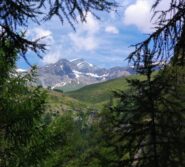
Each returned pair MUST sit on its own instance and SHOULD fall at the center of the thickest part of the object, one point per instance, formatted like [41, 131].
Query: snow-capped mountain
[76, 72]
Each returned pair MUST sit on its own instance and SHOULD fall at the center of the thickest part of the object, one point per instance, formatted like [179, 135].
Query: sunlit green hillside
[101, 92]
[58, 102]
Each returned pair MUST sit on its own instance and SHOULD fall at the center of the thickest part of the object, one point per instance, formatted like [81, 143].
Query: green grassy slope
[59, 103]
[70, 87]
[101, 92]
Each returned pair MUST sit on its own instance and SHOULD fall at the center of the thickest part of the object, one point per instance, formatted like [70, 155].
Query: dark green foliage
[25, 139]
[20, 109]
[78, 136]
[147, 126]
[149, 121]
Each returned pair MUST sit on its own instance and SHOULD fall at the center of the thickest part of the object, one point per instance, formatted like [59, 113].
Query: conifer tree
[167, 40]
[24, 139]
[147, 126]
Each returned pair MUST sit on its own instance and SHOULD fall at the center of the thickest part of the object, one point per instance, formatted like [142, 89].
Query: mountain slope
[101, 92]
[59, 103]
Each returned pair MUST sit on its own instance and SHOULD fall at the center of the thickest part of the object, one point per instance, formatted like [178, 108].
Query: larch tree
[147, 126]
[24, 139]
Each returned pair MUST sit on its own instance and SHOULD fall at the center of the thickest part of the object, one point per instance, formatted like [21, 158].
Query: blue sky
[104, 42]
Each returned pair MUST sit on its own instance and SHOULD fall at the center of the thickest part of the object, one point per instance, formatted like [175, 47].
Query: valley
[95, 95]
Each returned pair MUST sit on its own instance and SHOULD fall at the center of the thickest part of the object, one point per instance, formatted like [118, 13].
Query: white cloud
[139, 14]
[112, 30]
[85, 37]
[45, 35]
[84, 42]
[51, 57]
[91, 25]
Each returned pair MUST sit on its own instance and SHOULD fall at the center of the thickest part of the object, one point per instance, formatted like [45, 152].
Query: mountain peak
[61, 61]
[76, 72]
[77, 60]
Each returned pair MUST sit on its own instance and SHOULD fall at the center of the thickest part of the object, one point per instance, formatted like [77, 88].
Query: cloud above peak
[44, 35]
[85, 37]
[139, 14]
[104, 41]
[51, 57]
[86, 43]
[91, 25]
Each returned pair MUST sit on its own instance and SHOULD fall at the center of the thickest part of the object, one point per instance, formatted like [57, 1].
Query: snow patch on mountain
[61, 84]
[77, 71]
[74, 59]
[79, 64]
[96, 76]
[91, 65]
[62, 67]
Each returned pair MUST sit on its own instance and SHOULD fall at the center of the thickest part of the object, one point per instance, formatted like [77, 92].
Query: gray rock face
[77, 71]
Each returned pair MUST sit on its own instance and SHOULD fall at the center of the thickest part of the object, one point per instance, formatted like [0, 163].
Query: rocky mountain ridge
[77, 72]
